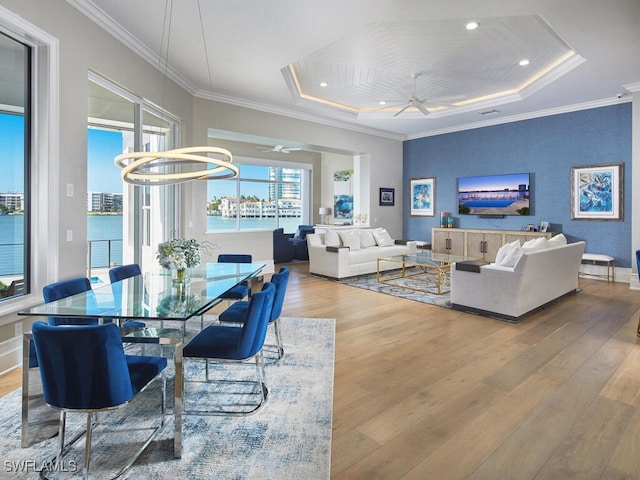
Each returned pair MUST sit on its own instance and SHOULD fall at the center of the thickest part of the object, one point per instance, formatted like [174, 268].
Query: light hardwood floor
[423, 392]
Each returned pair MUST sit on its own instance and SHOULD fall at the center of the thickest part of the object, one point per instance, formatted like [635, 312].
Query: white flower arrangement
[179, 253]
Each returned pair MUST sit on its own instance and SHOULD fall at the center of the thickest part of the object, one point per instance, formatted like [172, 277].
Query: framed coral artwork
[423, 196]
[597, 192]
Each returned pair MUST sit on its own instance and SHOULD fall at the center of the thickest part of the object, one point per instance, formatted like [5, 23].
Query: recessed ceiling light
[472, 25]
[524, 62]
[324, 84]
[382, 102]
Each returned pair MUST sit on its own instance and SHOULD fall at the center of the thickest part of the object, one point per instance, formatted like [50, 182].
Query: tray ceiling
[273, 56]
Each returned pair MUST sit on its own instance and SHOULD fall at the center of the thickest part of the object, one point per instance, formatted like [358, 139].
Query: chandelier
[180, 164]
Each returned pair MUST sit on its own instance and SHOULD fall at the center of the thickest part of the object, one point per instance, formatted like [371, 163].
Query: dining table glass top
[153, 295]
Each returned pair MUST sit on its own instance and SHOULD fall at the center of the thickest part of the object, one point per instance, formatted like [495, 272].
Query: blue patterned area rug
[370, 282]
[289, 438]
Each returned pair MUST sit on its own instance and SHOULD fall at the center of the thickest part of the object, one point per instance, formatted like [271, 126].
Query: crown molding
[286, 112]
[133, 43]
[518, 118]
[107, 23]
[632, 87]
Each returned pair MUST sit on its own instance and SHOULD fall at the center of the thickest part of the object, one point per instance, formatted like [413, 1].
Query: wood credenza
[481, 244]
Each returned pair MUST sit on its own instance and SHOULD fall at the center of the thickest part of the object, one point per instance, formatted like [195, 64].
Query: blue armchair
[283, 249]
[301, 251]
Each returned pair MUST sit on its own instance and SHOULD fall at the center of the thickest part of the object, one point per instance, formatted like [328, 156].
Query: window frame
[306, 193]
[43, 177]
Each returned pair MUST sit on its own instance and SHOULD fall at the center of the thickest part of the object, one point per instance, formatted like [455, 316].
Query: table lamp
[324, 212]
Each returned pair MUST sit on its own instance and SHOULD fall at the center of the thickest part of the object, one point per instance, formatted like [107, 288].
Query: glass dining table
[152, 297]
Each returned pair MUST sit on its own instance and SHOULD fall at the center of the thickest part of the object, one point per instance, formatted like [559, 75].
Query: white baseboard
[599, 272]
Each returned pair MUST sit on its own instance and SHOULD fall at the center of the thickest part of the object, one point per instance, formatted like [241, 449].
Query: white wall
[385, 155]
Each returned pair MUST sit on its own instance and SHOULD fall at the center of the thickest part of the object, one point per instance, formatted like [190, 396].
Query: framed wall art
[423, 196]
[597, 192]
[387, 197]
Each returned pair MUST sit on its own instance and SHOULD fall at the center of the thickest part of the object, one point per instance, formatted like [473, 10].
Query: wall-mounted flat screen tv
[494, 195]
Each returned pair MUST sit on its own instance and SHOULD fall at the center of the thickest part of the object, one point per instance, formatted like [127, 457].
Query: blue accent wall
[546, 148]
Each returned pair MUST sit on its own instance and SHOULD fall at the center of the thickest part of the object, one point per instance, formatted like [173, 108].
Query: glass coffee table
[424, 272]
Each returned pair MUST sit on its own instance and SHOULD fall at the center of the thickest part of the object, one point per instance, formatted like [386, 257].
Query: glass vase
[180, 277]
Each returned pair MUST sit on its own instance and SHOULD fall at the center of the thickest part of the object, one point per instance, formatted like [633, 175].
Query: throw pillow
[383, 239]
[557, 240]
[511, 258]
[366, 239]
[332, 239]
[350, 238]
[540, 243]
[505, 250]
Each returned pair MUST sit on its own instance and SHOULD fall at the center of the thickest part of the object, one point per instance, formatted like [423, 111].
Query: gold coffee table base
[429, 272]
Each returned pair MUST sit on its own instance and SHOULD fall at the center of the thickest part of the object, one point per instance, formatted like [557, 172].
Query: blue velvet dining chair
[64, 289]
[119, 273]
[242, 289]
[234, 345]
[84, 369]
[58, 291]
[122, 272]
[237, 313]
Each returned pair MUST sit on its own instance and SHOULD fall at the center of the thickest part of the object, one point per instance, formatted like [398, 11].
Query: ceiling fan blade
[401, 110]
[420, 106]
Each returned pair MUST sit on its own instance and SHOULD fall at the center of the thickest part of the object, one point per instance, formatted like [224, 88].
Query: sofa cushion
[350, 238]
[383, 239]
[371, 255]
[332, 239]
[366, 239]
[505, 250]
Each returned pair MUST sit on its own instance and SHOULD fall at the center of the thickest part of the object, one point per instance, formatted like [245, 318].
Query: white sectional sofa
[349, 252]
[522, 279]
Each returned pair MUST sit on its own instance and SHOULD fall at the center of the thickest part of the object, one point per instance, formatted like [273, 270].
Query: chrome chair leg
[61, 428]
[276, 327]
[87, 449]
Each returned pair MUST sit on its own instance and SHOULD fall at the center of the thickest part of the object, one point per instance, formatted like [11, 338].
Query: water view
[104, 233]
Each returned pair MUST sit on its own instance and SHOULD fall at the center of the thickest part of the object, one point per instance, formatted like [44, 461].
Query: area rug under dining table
[290, 438]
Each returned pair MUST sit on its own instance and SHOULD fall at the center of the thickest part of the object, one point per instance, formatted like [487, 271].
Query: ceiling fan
[279, 149]
[421, 103]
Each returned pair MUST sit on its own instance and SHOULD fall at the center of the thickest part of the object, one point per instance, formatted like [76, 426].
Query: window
[15, 138]
[124, 223]
[262, 197]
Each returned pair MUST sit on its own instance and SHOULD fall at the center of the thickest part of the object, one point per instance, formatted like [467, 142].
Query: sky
[103, 146]
[12, 156]
[493, 182]
[103, 174]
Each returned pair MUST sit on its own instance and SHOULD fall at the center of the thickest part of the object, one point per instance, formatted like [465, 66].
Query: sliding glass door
[125, 222]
